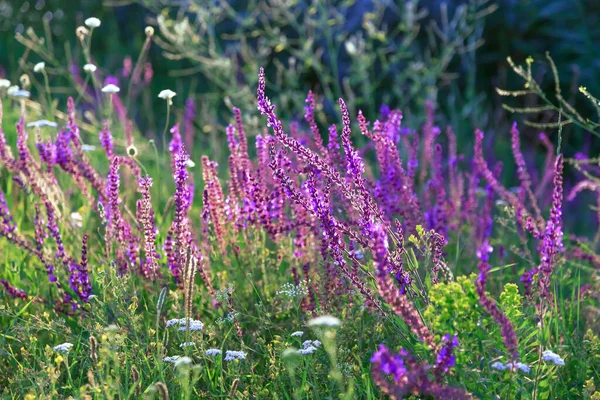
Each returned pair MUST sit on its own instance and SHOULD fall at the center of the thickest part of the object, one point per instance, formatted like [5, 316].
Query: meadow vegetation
[338, 255]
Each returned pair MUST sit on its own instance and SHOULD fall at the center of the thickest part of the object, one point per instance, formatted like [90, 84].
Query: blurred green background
[369, 52]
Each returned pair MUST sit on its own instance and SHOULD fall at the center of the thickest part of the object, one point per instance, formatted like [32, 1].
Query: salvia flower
[552, 357]
[231, 355]
[213, 352]
[388, 363]
[63, 348]
[13, 291]
[446, 357]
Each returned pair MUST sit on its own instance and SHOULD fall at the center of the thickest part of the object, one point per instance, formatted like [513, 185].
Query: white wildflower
[181, 361]
[92, 22]
[76, 220]
[171, 359]
[325, 321]
[213, 352]
[498, 365]
[39, 67]
[307, 350]
[194, 326]
[548, 355]
[297, 333]
[291, 290]
[63, 348]
[167, 94]
[42, 123]
[519, 365]
[187, 344]
[4, 83]
[16, 92]
[111, 89]
[231, 355]
[90, 68]
[12, 90]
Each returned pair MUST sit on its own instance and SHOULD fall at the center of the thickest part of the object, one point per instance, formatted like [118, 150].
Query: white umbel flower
[39, 67]
[552, 357]
[231, 355]
[213, 352]
[4, 83]
[171, 359]
[92, 22]
[181, 361]
[111, 89]
[42, 123]
[20, 93]
[76, 220]
[63, 348]
[326, 321]
[90, 68]
[307, 350]
[167, 94]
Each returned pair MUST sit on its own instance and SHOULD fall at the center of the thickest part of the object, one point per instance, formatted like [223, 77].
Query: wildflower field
[245, 235]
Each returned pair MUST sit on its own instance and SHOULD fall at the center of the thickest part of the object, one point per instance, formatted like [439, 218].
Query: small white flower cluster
[90, 68]
[326, 321]
[297, 334]
[187, 344]
[309, 347]
[39, 67]
[167, 94]
[63, 348]
[76, 220]
[15, 91]
[289, 289]
[181, 361]
[223, 294]
[229, 318]
[518, 365]
[213, 352]
[4, 83]
[195, 325]
[552, 357]
[42, 123]
[231, 355]
[171, 359]
[111, 89]
[92, 22]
